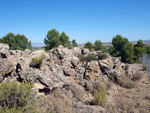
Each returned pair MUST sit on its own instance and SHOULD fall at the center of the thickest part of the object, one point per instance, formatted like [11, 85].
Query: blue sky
[83, 20]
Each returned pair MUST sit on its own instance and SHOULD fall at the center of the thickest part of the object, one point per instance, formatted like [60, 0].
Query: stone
[39, 53]
[85, 51]
[113, 74]
[92, 70]
[6, 68]
[26, 53]
[106, 64]
[4, 50]
[76, 51]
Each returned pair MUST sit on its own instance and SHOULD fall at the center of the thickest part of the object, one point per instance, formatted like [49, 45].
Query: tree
[16, 41]
[128, 53]
[98, 45]
[64, 39]
[52, 39]
[122, 47]
[88, 45]
[139, 49]
[119, 42]
[74, 43]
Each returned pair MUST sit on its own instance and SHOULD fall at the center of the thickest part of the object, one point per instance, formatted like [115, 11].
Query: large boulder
[92, 70]
[6, 68]
[38, 53]
[4, 50]
[50, 74]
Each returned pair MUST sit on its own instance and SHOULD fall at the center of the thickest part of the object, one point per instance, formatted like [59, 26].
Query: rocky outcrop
[6, 68]
[61, 68]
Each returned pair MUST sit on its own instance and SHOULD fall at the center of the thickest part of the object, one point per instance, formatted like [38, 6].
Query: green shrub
[15, 98]
[87, 58]
[102, 56]
[37, 61]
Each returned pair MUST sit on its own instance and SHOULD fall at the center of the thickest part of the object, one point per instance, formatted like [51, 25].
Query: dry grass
[99, 91]
[100, 97]
[126, 82]
[137, 76]
[55, 103]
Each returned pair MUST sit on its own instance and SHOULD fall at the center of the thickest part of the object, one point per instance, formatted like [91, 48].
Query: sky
[82, 20]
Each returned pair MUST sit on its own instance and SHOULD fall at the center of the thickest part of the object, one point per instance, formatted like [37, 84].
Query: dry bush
[126, 82]
[137, 76]
[37, 61]
[55, 103]
[96, 85]
[100, 97]
[144, 67]
[100, 93]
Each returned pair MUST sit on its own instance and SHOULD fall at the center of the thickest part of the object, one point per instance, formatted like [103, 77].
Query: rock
[130, 72]
[4, 50]
[39, 53]
[69, 72]
[121, 71]
[76, 51]
[92, 70]
[81, 108]
[53, 75]
[106, 64]
[6, 68]
[17, 53]
[85, 51]
[113, 74]
[26, 53]
[75, 61]
[50, 75]
[77, 91]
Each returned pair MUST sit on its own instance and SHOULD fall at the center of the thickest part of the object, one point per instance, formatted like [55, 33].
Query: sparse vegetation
[89, 57]
[16, 98]
[37, 61]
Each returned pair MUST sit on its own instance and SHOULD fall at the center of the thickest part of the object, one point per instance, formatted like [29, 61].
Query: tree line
[15, 42]
[129, 52]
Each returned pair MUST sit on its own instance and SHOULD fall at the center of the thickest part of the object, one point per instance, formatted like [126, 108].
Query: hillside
[77, 80]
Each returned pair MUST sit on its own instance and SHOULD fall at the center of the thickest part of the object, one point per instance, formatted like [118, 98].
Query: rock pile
[61, 68]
